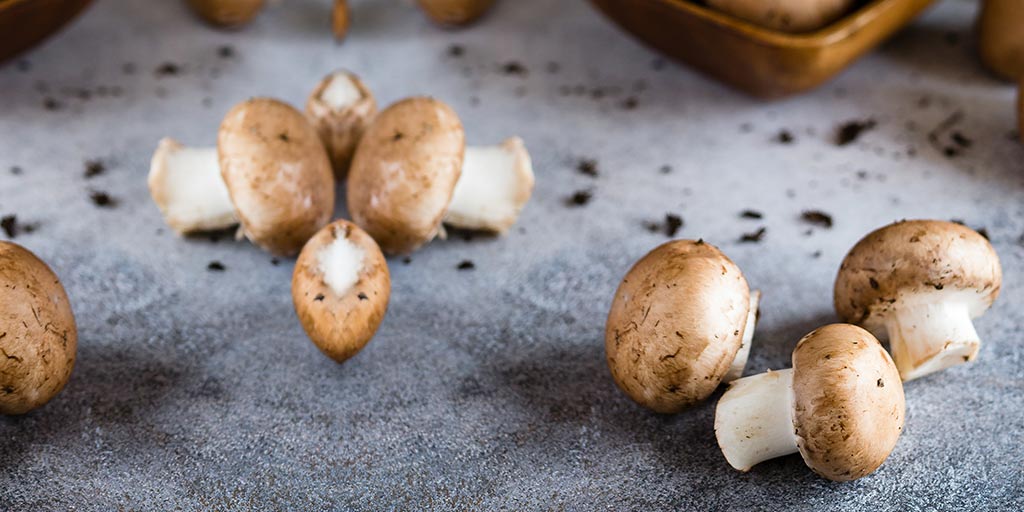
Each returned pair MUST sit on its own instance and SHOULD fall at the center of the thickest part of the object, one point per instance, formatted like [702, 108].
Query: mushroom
[38, 337]
[921, 282]
[455, 12]
[227, 13]
[271, 174]
[681, 322]
[1001, 38]
[341, 288]
[841, 406]
[341, 108]
[408, 175]
[340, 19]
[786, 15]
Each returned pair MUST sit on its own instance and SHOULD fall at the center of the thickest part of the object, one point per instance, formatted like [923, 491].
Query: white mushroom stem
[754, 419]
[341, 262]
[495, 184]
[740, 362]
[186, 185]
[928, 337]
[341, 92]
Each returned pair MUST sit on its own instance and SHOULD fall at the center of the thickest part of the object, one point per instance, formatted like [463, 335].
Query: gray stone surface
[486, 389]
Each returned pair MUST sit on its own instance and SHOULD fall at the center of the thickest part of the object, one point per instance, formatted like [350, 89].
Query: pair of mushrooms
[682, 322]
[236, 13]
[273, 173]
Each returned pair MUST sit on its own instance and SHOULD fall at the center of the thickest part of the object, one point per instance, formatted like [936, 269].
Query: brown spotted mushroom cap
[38, 337]
[911, 258]
[676, 324]
[848, 402]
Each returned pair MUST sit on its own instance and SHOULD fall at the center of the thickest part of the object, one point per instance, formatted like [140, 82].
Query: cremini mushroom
[38, 337]
[681, 322]
[455, 12]
[409, 174]
[921, 282]
[841, 406]
[271, 174]
[340, 19]
[227, 13]
[341, 288]
[1001, 38]
[785, 15]
[341, 108]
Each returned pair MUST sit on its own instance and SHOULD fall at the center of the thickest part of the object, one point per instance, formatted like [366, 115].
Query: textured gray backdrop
[486, 389]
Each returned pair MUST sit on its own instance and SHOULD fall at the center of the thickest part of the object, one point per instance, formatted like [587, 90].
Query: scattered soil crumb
[784, 137]
[275, 262]
[816, 254]
[579, 198]
[406, 260]
[817, 218]
[226, 51]
[514, 68]
[587, 167]
[12, 228]
[751, 214]
[754, 237]
[102, 199]
[671, 225]
[456, 50]
[51, 104]
[630, 103]
[15, 170]
[167, 69]
[665, 169]
[94, 168]
[850, 131]
[216, 266]
[465, 265]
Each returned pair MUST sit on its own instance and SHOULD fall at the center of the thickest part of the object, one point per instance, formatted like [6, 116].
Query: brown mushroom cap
[676, 324]
[785, 15]
[340, 127]
[915, 257]
[38, 337]
[341, 325]
[227, 13]
[277, 172]
[404, 173]
[1000, 38]
[848, 402]
[455, 12]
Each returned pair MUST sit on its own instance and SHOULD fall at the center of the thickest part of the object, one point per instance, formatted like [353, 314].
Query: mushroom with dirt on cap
[921, 282]
[341, 108]
[269, 172]
[682, 321]
[38, 337]
[841, 406]
[412, 171]
[340, 289]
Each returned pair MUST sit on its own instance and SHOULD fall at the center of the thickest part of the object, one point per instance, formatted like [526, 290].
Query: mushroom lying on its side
[341, 108]
[271, 174]
[922, 282]
[409, 174]
[681, 322]
[340, 289]
[841, 406]
[38, 337]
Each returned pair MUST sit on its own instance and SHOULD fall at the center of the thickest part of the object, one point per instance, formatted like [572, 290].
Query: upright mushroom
[682, 321]
[921, 282]
[1001, 37]
[409, 175]
[38, 337]
[271, 174]
[841, 406]
[341, 108]
[341, 288]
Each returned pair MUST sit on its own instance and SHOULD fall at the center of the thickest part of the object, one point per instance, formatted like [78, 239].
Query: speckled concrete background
[486, 389]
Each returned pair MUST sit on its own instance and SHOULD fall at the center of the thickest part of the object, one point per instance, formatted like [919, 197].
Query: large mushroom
[921, 282]
[270, 173]
[841, 406]
[38, 337]
[341, 108]
[681, 322]
[340, 287]
[412, 171]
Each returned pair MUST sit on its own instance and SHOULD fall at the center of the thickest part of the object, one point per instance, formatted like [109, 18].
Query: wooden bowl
[763, 62]
[25, 23]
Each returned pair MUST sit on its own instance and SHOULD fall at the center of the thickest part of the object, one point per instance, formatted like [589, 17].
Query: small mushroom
[271, 174]
[408, 171]
[227, 13]
[455, 12]
[921, 282]
[38, 337]
[681, 322]
[341, 108]
[785, 15]
[341, 288]
[340, 19]
[841, 406]
[1001, 38]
